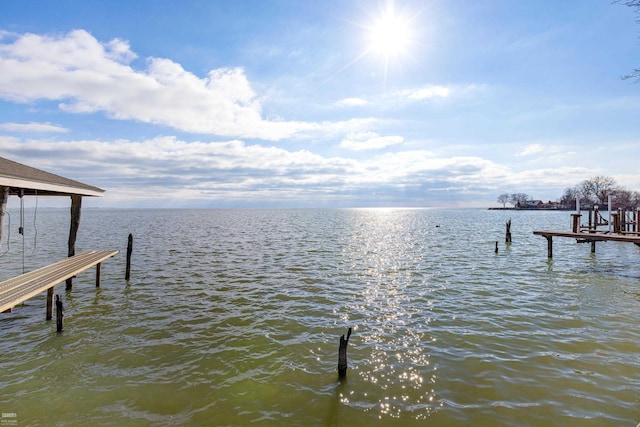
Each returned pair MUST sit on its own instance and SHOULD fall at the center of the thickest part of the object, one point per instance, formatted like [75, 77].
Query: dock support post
[127, 273]
[575, 222]
[615, 216]
[549, 246]
[4, 195]
[49, 303]
[507, 238]
[342, 356]
[593, 246]
[59, 314]
[98, 268]
[609, 209]
[76, 205]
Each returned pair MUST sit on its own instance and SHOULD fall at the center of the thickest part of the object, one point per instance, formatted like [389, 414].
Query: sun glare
[389, 35]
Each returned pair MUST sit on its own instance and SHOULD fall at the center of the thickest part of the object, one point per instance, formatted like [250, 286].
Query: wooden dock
[622, 226]
[587, 237]
[591, 237]
[21, 180]
[19, 289]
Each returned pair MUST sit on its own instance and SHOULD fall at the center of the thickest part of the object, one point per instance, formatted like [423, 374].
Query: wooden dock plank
[589, 237]
[20, 288]
[41, 272]
[52, 270]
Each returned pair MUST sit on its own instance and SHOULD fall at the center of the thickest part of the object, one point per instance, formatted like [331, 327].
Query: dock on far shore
[621, 226]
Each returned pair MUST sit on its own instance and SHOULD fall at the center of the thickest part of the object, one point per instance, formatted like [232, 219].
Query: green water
[233, 317]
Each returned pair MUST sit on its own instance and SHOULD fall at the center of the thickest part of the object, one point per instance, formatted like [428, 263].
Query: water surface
[233, 317]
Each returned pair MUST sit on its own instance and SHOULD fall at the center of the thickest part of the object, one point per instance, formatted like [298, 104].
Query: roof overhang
[25, 180]
[31, 188]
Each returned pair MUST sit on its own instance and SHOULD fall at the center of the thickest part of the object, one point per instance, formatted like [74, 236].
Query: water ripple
[232, 317]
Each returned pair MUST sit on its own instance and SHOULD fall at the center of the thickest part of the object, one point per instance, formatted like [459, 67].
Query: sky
[333, 103]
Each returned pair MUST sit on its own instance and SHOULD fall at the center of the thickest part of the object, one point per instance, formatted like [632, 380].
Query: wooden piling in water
[49, 314]
[575, 222]
[616, 221]
[127, 273]
[342, 356]
[507, 238]
[549, 246]
[59, 314]
[4, 196]
[98, 268]
[76, 206]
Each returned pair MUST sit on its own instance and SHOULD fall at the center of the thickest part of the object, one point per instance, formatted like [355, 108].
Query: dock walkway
[588, 237]
[20, 288]
[591, 237]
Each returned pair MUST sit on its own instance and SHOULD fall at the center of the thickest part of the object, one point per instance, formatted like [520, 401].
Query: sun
[389, 34]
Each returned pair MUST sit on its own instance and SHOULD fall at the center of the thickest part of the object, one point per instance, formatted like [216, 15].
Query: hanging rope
[21, 228]
[35, 228]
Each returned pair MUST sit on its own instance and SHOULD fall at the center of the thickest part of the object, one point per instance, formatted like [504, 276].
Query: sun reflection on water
[392, 314]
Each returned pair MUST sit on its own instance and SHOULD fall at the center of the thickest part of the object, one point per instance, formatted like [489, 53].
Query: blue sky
[291, 103]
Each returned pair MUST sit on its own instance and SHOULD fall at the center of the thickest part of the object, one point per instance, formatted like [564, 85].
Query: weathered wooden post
[59, 314]
[615, 216]
[98, 268]
[609, 201]
[4, 195]
[575, 222]
[342, 356]
[549, 246]
[49, 315]
[496, 251]
[76, 205]
[127, 273]
[508, 233]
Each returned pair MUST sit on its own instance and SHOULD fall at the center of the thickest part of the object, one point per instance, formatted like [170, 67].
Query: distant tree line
[515, 199]
[595, 190]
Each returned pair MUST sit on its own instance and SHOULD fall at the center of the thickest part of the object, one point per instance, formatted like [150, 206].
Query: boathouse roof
[34, 181]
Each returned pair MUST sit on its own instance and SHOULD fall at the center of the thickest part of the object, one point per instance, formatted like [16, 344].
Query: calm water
[233, 317]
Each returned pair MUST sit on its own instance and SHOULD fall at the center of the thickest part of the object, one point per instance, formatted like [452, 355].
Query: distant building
[533, 204]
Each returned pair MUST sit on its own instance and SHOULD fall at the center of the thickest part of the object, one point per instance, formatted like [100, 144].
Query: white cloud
[438, 92]
[203, 172]
[119, 51]
[547, 149]
[32, 128]
[532, 149]
[352, 102]
[369, 141]
[419, 165]
[428, 92]
[567, 176]
[88, 76]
